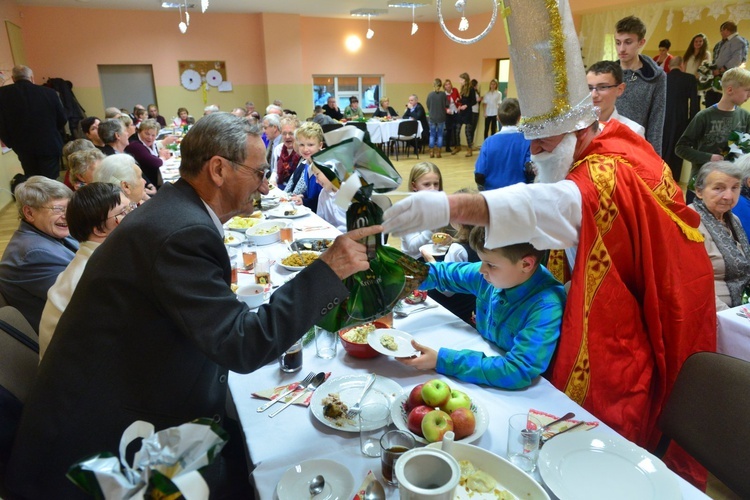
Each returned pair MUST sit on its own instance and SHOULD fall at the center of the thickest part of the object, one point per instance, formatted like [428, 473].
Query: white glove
[421, 211]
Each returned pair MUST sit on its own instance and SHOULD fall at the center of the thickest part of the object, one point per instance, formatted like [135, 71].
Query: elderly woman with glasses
[93, 213]
[717, 187]
[123, 172]
[146, 152]
[40, 249]
[285, 158]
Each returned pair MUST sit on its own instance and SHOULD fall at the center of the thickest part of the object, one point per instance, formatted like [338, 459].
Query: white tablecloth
[295, 435]
[733, 335]
[381, 132]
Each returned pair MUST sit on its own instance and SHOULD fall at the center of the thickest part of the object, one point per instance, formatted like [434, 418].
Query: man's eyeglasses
[125, 211]
[600, 89]
[57, 209]
[264, 172]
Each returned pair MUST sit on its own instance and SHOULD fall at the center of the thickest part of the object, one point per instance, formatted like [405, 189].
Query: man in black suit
[31, 120]
[332, 109]
[682, 105]
[153, 327]
[415, 111]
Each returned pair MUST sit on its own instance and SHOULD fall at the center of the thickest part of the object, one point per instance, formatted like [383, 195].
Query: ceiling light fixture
[464, 24]
[414, 26]
[177, 5]
[369, 13]
[460, 7]
[187, 15]
[370, 33]
[204, 6]
[183, 27]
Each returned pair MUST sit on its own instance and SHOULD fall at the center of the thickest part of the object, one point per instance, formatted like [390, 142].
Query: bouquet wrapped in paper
[166, 467]
[358, 169]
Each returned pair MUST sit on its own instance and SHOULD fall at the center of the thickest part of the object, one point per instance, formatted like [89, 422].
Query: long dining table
[294, 435]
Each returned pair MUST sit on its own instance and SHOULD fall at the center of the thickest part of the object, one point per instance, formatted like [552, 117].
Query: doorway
[125, 85]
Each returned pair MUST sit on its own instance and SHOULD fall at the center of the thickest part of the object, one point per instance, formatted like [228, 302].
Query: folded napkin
[546, 418]
[360, 493]
[274, 392]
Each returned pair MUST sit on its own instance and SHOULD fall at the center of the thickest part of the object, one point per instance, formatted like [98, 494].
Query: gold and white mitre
[546, 60]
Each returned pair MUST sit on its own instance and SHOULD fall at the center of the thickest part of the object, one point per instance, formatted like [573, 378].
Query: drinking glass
[249, 255]
[524, 433]
[393, 444]
[263, 272]
[373, 421]
[290, 360]
[325, 343]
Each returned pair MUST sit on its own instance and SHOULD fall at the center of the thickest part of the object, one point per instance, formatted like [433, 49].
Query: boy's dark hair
[513, 253]
[607, 67]
[89, 207]
[665, 43]
[729, 26]
[509, 112]
[631, 24]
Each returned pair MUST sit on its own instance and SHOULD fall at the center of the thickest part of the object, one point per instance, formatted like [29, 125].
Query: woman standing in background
[452, 119]
[468, 99]
[696, 53]
[491, 101]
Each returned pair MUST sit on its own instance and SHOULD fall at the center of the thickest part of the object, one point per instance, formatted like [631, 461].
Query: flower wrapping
[167, 465]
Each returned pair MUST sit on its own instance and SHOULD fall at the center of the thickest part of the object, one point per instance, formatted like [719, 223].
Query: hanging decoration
[716, 9]
[204, 6]
[202, 75]
[691, 14]
[460, 6]
[670, 20]
[739, 12]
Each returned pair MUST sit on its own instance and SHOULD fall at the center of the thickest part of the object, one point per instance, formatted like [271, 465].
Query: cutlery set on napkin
[295, 393]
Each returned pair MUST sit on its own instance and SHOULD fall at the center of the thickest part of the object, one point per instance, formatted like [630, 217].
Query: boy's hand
[426, 361]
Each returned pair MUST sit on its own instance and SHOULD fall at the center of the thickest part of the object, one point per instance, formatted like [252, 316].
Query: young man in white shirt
[605, 84]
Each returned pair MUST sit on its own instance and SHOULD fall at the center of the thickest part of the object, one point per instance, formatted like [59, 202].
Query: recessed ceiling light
[176, 5]
[368, 12]
[407, 5]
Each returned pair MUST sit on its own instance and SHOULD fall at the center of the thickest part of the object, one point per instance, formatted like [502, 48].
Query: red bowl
[360, 350]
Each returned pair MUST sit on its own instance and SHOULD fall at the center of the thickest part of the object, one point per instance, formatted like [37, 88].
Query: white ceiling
[334, 8]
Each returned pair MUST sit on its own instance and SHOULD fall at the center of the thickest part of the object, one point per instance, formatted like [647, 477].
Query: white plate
[279, 212]
[508, 476]
[433, 249]
[295, 483]
[593, 465]
[293, 268]
[398, 415]
[403, 339]
[349, 387]
[235, 238]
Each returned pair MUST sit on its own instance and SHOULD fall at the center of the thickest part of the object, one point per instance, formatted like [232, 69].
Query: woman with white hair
[124, 172]
[40, 249]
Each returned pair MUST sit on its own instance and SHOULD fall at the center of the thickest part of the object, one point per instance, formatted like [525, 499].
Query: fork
[354, 410]
[294, 387]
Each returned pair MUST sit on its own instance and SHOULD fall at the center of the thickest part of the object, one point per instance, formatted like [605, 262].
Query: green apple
[435, 424]
[436, 393]
[457, 400]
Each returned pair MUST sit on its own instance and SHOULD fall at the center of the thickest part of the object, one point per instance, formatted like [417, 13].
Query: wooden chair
[408, 136]
[707, 413]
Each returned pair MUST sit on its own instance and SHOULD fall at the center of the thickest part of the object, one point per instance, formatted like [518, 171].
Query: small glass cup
[263, 272]
[325, 343]
[524, 433]
[249, 255]
[287, 234]
[393, 444]
[290, 360]
[373, 422]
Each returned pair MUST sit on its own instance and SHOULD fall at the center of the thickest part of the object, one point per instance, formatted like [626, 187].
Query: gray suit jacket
[150, 334]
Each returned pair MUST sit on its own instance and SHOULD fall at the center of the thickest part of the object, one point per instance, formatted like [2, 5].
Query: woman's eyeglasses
[125, 211]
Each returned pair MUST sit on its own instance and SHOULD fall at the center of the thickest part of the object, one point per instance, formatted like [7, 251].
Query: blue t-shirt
[503, 157]
[524, 321]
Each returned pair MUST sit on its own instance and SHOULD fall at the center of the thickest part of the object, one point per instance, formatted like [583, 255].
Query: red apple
[436, 393]
[414, 420]
[415, 398]
[457, 400]
[464, 422]
[435, 424]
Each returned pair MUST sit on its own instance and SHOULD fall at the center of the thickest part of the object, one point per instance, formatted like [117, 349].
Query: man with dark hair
[605, 83]
[503, 157]
[682, 105]
[31, 120]
[730, 52]
[153, 327]
[645, 91]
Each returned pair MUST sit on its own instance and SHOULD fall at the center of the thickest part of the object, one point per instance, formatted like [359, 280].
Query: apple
[457, 400]
[464, 422]
[436, 393]
[415, 398]
[414, 420]
[435, 424]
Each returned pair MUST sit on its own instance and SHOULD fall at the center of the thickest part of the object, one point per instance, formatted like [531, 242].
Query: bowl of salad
[354, 339]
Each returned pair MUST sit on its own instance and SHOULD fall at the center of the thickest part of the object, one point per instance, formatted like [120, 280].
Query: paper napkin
[546, 418]
[274, 392]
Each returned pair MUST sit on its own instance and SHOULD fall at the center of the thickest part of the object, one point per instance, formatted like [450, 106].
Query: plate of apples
[433, 408]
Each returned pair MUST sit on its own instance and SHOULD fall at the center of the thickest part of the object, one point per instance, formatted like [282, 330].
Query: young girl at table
[424, 176]
[519, 307]
[460, 304]
[308, 140]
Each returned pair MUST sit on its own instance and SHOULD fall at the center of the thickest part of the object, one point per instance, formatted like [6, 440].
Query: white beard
[554, 166]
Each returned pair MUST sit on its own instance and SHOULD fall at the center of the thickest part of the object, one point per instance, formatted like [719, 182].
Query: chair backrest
[408, 128]
[3, 302]
[707, 414]
[331, 126]
[18, 363]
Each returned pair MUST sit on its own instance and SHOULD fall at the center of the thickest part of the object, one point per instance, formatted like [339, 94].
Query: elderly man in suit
[31, 120]
[153, 327]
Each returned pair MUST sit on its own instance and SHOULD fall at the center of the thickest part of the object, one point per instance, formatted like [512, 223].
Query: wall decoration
[197, 74]
[716, 9]
[691, 14]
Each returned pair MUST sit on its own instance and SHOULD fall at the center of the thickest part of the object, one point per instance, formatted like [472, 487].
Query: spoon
[374, 491]
[567, 416]
[316, 485]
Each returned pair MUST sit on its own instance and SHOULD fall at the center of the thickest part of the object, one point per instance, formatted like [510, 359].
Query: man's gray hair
[273, 109]
[211, 108]
[21, 73]
[37, 191]
[218, 134]
[79, 162]
[149, 124]
[108, 129]
[743, 162]
[115, 169]
[250, 103]
[273, 120]
[725, 167]
[111, 112]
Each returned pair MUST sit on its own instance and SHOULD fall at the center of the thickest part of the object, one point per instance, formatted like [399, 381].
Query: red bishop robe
[642, 294]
